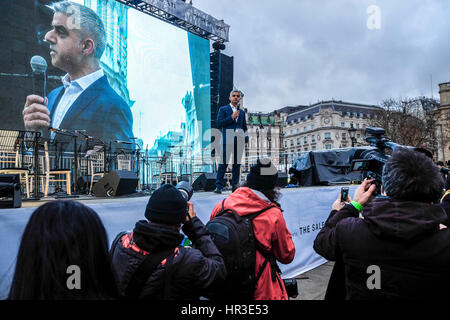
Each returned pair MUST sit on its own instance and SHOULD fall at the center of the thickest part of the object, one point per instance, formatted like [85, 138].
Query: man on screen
[86, 101]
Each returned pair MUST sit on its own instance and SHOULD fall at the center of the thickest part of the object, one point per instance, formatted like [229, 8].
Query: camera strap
[268, 258]
[143, 272]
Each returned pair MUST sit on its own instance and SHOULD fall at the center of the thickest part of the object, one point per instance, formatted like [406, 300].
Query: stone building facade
[325, 125]
[263, 130]
[443, 123]
[285, 133]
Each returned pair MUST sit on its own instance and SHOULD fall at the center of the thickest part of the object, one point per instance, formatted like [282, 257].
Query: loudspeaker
[282, 179]
[206, 182]
[10, 196]
[116, 183]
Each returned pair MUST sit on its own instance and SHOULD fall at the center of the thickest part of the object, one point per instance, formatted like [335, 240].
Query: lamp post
[257, 143]
[282, 155]
[352, 133]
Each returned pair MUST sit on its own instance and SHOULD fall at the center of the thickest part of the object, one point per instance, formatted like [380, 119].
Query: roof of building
[346, 108]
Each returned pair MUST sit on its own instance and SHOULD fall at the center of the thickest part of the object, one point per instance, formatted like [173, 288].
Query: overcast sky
[292, 52]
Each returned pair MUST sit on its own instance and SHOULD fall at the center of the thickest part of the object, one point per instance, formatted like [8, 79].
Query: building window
[312, 127]
[314, 148]
[305, 139]
[344, 136]
[298, 130]
[328, 146]
[306, 149]
[313, 138]
[298, 141]
[327, 135]
[304, 129]
[292, 132]
[357, 126]
[292, 143]
[343, 124]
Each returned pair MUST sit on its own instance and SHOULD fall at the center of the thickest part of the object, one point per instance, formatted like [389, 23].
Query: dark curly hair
[273, 195]
[409, 175]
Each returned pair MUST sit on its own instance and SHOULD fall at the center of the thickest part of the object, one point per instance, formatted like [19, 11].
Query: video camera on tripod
[371, 162]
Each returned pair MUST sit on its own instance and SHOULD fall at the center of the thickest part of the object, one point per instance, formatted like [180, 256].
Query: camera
[372, 161]
[291, 287]
[186, 190]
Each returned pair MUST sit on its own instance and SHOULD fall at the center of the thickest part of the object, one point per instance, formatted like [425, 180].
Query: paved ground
[312, 285]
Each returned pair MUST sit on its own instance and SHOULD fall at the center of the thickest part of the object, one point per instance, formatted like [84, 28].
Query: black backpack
[233, 235]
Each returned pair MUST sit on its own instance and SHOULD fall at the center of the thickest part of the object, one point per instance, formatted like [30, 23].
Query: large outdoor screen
[160, 72]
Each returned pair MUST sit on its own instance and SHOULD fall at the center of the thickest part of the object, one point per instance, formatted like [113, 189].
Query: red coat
[272, 234]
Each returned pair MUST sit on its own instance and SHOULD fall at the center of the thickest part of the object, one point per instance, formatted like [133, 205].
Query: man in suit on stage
[86, 101]
[231, 121]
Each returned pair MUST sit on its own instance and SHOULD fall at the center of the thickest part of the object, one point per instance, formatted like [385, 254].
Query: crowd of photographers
[392, 245]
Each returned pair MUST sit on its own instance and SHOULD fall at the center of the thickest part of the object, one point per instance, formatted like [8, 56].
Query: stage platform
[305, 212]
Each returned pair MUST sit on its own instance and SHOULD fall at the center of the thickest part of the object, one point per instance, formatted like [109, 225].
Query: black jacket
[192, 272]
[401, 238]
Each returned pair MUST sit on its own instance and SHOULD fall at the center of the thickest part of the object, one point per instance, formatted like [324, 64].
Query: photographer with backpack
[249, 229]
[150, 262]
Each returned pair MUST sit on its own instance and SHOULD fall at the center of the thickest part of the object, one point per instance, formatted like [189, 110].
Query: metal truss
[160, 14]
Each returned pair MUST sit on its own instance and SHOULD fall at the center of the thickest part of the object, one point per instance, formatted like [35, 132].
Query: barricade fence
[25, 150]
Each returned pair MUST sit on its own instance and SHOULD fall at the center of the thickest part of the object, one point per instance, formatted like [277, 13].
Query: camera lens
[186, 190]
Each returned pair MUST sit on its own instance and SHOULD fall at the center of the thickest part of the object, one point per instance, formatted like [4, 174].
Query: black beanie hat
[166, 205]
[262, 176]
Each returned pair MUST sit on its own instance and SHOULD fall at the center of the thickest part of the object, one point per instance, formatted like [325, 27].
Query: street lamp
[352, 133]
[257, 143]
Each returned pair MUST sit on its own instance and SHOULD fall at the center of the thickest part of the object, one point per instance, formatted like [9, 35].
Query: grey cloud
[298, 52]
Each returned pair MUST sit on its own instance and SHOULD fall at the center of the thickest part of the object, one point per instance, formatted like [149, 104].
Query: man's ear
[88, 47]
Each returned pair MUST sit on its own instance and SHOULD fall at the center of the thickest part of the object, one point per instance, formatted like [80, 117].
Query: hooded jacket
[271, 233]
[399, 243]
[186, 274]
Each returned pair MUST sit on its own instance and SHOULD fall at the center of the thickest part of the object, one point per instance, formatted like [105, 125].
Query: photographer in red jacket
[259, 193]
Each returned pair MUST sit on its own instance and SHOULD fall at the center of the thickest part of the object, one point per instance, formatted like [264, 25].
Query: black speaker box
[10, 195]
[282, 179]
[116, 183]
[205, 182]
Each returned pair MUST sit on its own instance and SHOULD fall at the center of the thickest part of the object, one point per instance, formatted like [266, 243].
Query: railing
[149, 168]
